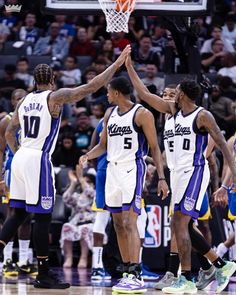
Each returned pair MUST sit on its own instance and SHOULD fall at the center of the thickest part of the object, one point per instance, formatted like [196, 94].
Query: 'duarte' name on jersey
[179, 130]
[115, 130]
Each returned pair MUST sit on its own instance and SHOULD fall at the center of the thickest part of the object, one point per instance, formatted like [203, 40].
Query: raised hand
[128, 61]
[83, 160]
[121, 59]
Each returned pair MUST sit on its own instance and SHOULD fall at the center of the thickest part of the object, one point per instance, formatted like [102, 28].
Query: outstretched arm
[206, 121]
[67, 95]
[3, 126]
[145, 120]
[153, 100]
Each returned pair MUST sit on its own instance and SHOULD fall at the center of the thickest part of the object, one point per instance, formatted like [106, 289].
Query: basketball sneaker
[50, 281]
[165, 281]
[100, 274]
[27, 269]
[148, 275]
[9, 268]
[205, 277]
[223, 275]
[129, 284]
[182, 285]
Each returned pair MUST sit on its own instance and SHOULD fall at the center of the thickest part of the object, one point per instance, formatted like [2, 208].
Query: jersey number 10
[31, 126]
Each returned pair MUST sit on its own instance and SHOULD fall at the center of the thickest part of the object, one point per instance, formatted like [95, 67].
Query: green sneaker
[223, 275]
[182, 285]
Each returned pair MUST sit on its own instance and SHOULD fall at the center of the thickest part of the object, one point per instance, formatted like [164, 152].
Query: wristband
[225, 187]
[161, 178]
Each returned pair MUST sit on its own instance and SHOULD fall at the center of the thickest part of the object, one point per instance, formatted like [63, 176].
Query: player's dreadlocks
[43, 74]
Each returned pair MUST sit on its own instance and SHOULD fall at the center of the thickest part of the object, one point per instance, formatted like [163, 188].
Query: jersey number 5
[127, 143]
[31, 126]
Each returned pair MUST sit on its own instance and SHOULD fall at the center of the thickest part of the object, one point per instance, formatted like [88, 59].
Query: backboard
[142, 7]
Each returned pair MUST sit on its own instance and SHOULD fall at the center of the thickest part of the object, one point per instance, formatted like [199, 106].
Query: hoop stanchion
[117, 13]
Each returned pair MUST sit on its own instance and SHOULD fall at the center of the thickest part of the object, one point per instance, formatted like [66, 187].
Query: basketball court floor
[80, 285]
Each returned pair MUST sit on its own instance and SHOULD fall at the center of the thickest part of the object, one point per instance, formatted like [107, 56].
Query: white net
[117, 14]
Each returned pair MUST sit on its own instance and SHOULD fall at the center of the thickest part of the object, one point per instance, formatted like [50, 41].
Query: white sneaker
[129, 285]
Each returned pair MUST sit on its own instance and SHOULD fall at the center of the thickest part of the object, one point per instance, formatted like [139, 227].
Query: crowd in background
[65, 39]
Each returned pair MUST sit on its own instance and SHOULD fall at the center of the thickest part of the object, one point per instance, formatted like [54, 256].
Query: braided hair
[43, 74]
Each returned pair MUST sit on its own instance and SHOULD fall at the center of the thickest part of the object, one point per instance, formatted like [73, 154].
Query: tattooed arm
[205, 121]
[67, 95]
[12, 127]
[153, 100]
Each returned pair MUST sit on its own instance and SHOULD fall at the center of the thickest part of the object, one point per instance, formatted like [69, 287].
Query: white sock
[140, 254]
[7, 251]
[97, 257]
[23, 251]
[30, 255]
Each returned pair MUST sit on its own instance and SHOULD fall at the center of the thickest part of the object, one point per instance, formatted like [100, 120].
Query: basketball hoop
[117, 14]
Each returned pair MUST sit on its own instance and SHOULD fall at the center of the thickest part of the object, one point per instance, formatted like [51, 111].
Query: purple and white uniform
[189, 166]
[126, 151]
[32, 183]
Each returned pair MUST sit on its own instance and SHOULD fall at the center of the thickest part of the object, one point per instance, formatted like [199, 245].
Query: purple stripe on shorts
[188, 202]
[114, 209]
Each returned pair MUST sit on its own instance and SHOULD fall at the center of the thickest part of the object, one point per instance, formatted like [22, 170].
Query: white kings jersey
[39, 129]
[188, 145]
[125, 140]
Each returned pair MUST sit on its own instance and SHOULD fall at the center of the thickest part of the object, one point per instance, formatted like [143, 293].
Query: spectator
[221, 108]
[144, 54]
[79, 197]
[216, 33]
[71, 76]
[83, 132]
[66, 155]
[119, 42]
[67, 31]
[52, 45]
[212, 61]
[229, 66]
[29, 32]
[100, 64]
[107, 51]
[98, 111]
[229, 29]
[4, 33]
[22, 73]
[9, 82]
[152, 79]
[159, 39]
[97, 31]
[82, 45]
[135, 29]
[226, 87]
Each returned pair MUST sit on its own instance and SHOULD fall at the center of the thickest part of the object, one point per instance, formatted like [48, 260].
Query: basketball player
[128, 128]
[24, 232]
[32, 184]
[189, 131]
[103, 216]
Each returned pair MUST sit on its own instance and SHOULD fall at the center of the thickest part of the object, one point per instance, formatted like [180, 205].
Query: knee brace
[141, 223]
[101, 221]
[198, 241]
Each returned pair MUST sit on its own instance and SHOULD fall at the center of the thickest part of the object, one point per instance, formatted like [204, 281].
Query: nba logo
[153, 231]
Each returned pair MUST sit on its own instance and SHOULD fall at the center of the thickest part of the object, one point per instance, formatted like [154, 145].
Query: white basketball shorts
[32, 181]
[124, 185]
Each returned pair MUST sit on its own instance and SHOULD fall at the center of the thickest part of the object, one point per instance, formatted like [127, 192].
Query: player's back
[39, 129]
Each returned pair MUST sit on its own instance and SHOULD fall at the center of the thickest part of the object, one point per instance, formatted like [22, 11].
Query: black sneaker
[50, 281]
[9, 269]
[27, 269]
